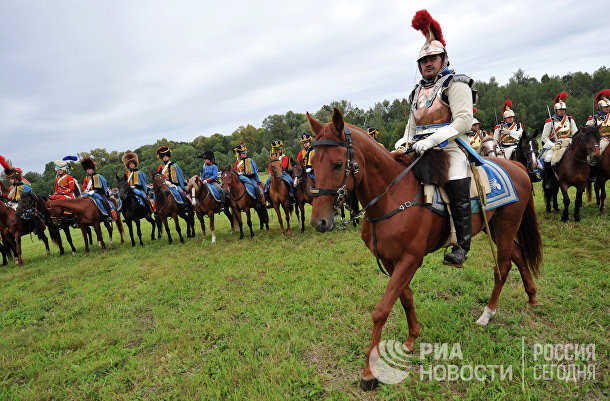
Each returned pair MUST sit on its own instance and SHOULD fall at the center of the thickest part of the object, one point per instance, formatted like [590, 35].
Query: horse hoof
[368, 384]
[486, 316]
[73, 253]
[182, 240]
[535, 302]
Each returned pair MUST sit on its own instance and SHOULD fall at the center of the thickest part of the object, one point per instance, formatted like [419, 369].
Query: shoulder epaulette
[497, 126]
[463, 78]
[590, 118]
[548, 120]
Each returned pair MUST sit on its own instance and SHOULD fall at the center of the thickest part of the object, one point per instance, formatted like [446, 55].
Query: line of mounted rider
[556, 136]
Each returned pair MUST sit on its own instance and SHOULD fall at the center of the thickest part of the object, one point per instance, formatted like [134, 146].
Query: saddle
[559, 150]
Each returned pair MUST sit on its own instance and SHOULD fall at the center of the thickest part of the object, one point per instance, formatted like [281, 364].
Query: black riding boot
[459, 194]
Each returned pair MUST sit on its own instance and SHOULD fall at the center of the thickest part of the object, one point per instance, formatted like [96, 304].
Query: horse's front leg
[286, 207]
[100, 237]
[578, 204]
[177, 222]
[211, 217]
[130, 228]
[399, 281]
[249, 221]
[276, 207]
[109, 229]
[237, 217]
[18, 250]
[66, 229]
[166, 225]
[302, 222]
[139, 231]
[200, 216]
[566, 203]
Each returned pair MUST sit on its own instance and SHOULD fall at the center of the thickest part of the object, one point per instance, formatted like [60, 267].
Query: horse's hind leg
[100, 237]
[86, 236]
[528, 282]
[43, 237]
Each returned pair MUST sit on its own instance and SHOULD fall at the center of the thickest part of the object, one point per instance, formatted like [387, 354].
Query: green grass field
[287, 318]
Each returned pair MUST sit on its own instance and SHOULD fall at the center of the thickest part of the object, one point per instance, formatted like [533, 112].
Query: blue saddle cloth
[97, 199]
[176, 194]
[250, 186]
[502, 191]
[214, 192]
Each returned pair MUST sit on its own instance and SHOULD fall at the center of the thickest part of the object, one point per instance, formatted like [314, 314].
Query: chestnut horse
[488, 147]
[240, 200]
[400, 230]
[29, 200]
[574, 168]
[12, 228]
[526, 153]
[602, 174]
[86, 212]
[167, 207]
[278, 193]
[302, 184]
[205, 204]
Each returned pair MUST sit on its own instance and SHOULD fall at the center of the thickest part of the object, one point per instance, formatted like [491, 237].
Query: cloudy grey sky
[82, 74]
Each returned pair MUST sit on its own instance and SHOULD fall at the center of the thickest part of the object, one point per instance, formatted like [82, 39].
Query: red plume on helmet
[561, 96]
[474, 110]
[603, 93]
[508, 103]
[4, 163]
[422, 21]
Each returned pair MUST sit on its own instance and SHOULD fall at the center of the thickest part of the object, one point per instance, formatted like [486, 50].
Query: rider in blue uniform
[96, 187]
[248, 173]
[136, 178]
[172, 172]
[209, 175]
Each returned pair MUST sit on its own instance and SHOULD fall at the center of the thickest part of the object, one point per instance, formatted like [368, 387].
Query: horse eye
[337, 165]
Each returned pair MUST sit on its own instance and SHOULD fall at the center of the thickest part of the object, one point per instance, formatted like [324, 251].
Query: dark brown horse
[133, 211]
[574, 167]
[87, 214]
[526, 153]
[302, 185]
[167, 207]
[240, 200]
[12, 228]
[39, 203]
[602, 174]
[205, 204]
[488, 147]
[405, 230]
[278, 193]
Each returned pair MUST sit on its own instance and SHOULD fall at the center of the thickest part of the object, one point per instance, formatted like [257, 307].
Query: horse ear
[536, 132]
[315, 126]
[152, 173]
[338, 121]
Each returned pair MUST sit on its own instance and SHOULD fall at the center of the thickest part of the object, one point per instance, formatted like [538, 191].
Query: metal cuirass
[562, 128]
[427, 106]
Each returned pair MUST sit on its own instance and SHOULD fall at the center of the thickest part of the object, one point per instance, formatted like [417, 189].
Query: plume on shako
[559, 100]
[430, 28]
[602, 98]
[506, 111]
[9, 171]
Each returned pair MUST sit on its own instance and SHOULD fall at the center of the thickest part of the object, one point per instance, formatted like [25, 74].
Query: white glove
[308, 170]
[422, 145]
[548, 145]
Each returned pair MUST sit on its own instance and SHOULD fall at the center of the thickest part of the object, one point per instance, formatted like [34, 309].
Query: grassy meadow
[288, 318]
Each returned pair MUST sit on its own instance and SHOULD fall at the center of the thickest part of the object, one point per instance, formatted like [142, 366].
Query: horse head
[276, 167]
[488, 147]
[588, 141]
[528, 144]
[159, 185]
[298, 171]
[196, 186]
[334, 162]
[124, 188]
[26, 201]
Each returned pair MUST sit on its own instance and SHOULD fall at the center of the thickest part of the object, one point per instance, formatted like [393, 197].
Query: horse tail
[588, 191]
[54, 234]
[528, 236]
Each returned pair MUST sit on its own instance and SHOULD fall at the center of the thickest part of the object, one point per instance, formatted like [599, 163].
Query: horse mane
[432, 168]
[587, 131]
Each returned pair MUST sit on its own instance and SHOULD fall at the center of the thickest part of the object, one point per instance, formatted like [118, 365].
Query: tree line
[530, 98]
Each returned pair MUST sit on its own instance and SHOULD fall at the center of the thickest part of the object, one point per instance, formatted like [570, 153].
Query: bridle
[531, 156]
[492, 147]
[196, 193]
[582, 144]
[351, 167]
[280, 176]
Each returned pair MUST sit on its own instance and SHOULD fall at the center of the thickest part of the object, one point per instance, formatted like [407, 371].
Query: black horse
[526, 153]
[133, 211]
[38, 203]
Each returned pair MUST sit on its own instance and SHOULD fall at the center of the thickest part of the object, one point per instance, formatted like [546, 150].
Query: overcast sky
[77, 75]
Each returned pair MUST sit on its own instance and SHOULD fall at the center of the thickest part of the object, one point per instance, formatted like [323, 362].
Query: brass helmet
[559, 101]
[435, 43]
[602, 98]
[506, 111]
